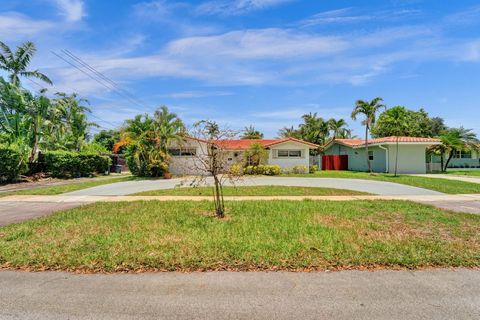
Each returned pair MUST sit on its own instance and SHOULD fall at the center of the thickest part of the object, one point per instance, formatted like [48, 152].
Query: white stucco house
[287, 153]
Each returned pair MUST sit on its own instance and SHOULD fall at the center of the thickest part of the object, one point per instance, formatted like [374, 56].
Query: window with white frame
[289, 153]
[182, 152]
[370, 155]
[462, 154]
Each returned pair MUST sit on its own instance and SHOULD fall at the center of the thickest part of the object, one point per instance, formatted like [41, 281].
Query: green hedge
[268, 170]
[66, 164]
[12, 164]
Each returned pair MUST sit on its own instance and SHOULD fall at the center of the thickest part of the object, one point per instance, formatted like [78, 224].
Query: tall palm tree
[168, 126]
[369, 110]
[337, 126]
[288, 132]
[251, 133]
[16, 63]
[314, 129]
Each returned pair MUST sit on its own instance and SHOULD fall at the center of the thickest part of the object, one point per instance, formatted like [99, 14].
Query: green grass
[471, 172]
[436, 184]
[52, 190]
[255, 235]
[253, 191]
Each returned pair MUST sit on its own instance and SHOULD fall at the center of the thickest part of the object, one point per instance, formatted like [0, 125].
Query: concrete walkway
[24, 207]
[450, 177]
[369, 186]
[430, 294]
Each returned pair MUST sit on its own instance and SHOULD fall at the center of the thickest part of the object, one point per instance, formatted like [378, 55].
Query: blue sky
[260, 62]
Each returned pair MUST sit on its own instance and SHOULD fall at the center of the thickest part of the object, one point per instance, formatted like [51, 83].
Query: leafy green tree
[16, 63]
[418, 122]
[107, 138]
[251, 133]
[369, 110]
[396, 122]
[314, 129]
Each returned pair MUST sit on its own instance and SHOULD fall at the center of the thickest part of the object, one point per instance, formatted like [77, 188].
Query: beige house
[287, 153]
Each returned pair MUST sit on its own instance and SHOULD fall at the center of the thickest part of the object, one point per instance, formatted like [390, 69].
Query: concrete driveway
[373, 187]
[432, 294]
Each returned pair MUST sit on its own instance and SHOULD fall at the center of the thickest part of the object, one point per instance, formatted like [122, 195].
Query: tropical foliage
[417, 123]
[146, 140]
[251, 133]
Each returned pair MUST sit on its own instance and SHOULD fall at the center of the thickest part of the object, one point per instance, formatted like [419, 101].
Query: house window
[187, 152]
[370, 155]
[289, 153]
[462, 154]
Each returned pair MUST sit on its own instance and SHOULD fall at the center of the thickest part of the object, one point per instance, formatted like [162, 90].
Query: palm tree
[288, 132]
[167, 126]
[369, 110]
[251, 133]
[455, 140]
[16, 63]
[314, 129]
[337, 126]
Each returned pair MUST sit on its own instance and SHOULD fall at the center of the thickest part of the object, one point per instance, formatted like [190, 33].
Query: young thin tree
[369, 111]
[16, 63]
[212, 159]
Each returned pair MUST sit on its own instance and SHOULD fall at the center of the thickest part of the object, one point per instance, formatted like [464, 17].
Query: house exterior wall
[411, 158]
[465, 162]
[288, 163]
[186, 165]
[357, 160]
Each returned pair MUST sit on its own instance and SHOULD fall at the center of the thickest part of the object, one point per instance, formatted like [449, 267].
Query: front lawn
[255, 235]
[465, 172]
[253, 191]
[436, 184]
[74, 186]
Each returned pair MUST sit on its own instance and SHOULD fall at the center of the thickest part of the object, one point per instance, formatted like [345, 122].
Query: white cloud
[16, 26]
[72, 10]
[236, 7]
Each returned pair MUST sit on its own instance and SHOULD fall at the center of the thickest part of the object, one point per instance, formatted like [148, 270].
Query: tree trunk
[366, 149]
[35, 146]
[396, 160]
[450, 156]
[218, 195]
[441, 162]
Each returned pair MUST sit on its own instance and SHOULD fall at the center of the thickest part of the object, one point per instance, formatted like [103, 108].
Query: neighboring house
[287, 153]
[460, 159]
[382, 153]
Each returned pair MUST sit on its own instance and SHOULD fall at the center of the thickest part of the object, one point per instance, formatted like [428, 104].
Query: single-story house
[460, 159]
[287, 153]
[382, 153]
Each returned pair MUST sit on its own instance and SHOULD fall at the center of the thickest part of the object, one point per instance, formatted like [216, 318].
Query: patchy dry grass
[253, 191]
[257, 235]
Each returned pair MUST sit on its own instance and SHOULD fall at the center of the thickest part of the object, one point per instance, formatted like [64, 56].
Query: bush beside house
[12, 164]
[63, 164]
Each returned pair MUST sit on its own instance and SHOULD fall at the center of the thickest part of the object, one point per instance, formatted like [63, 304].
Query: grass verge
[436, 184]
[52, 190]
[253, 191]
[256, 235]
[472, 172]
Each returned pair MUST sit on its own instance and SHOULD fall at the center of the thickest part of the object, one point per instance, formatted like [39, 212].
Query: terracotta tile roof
[360, 142]
[243, 144]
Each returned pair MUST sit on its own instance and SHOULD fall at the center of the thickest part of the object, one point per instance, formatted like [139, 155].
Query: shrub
[300, 169]
[12, 164]
[236, 170]
[66, 164]
[268, 170]
[313, 168]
